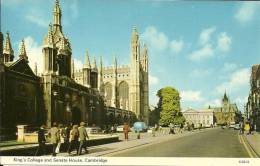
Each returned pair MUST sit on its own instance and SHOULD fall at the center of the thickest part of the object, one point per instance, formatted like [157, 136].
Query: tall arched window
[123, 90]
[108, 93]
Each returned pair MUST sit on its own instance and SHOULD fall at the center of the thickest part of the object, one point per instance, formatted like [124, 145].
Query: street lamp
[55, 95]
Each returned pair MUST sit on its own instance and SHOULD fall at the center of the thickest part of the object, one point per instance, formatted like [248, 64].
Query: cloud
[176, 46]
[247, 11]
[205, 35]
[202, 53]
[229, 66]
[34, 53]
[224, 42]
[238, 80]
[159, 41]
[193, 96]
[153, 80]
[37, 20]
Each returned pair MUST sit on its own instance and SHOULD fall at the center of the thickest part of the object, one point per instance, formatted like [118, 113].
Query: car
[93, 130]
[232, 125]
[140, 127]
[236, 127]
[120, 128]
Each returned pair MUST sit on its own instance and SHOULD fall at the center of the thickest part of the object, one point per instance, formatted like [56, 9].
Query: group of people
[248, 126]
[65, 139]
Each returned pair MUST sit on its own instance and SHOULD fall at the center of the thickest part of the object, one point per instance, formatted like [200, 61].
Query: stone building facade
[197, 117]
[57, 95]
[253, 103]
[126, 86]
[227, 113]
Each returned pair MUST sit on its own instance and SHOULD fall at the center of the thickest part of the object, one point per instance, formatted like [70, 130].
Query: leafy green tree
[169, 106]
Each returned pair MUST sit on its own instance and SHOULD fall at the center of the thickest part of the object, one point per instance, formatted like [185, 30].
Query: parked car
[93, 130]
[140, 127]
[232, 125]
[236, 127]
[120, 128]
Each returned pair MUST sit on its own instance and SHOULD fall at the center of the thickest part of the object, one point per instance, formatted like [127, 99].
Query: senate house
[95, 94]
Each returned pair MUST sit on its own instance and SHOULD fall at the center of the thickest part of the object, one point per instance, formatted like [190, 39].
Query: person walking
[251, 127]
[67, 136]
[61, 138]
[247, 127]
[241, 128]
[82, 138]
[126, 130]
[54, 133]
[41, 150]
[74, 136]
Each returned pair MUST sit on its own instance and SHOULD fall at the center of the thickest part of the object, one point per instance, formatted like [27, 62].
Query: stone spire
[57, 15]
[35, 69]
[22, 52]
[94, 64]
[87, 61]
[135, 46]
[7, 46]
[115, 61]
[145, 56]
[225, 98]
[48, 40]
[101, 64]
[135, 36]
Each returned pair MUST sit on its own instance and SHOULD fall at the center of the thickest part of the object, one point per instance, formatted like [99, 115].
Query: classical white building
[197, 117]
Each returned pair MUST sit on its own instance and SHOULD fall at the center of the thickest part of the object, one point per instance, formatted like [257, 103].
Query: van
[140, 127]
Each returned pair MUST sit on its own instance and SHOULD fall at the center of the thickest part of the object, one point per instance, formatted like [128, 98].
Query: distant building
[227, 113]
[253, 103]
[197, 117]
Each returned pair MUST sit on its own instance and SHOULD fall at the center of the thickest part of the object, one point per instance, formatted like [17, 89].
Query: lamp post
[91, 106]
[55, 95]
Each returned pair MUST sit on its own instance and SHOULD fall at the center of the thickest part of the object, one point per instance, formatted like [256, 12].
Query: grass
[12, 143]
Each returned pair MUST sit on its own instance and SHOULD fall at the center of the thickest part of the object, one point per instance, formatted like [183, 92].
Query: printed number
[244, 161]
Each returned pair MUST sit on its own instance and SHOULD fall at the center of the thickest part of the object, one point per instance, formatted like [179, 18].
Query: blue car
[140, 127]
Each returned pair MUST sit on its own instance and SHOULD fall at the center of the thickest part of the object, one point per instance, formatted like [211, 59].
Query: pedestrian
[112, 129]
[247, 127]
[192, 126]
[126, 130]
[62, 135]
[181, 127]
[41, 150]
[82, 138]
[241, 128]
[200, 126]
[171, 129]
[54, 133]
[251, 127]
[67, 136]
[74, 136]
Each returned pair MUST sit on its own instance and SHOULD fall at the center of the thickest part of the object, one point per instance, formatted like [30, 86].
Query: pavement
[254, 141]
[215, 142]
[133, 142]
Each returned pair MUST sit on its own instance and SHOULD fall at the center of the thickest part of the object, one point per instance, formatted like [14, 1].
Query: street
[212, 143]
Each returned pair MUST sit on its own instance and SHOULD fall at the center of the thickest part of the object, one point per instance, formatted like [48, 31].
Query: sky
[200, 48]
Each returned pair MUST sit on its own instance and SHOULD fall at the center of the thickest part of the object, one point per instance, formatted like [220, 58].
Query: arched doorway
[76, 115]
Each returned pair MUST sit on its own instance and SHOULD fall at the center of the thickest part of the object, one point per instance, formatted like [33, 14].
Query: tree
[169, 106]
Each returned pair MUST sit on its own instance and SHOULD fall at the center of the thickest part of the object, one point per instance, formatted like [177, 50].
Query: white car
[120, 128]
